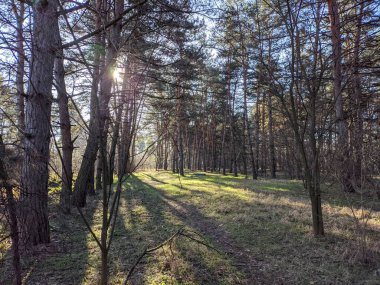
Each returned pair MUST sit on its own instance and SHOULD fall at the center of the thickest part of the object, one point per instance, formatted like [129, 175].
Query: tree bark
[179, 132]
[264, 149]
[64, 121]
[343, 170]
[86, 170]
[271, 138]
[106, 85]
[246, 121]
[357, 99]
[12, 213]
[19, 13]
[34, 224]
[257, 131]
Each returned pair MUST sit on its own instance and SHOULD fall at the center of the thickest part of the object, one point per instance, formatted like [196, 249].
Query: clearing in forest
[261, 229]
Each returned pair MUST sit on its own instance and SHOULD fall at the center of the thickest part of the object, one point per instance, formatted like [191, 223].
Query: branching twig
[181, 232]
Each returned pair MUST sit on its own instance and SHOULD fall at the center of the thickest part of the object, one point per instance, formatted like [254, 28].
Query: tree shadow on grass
[170, 213]
[155, 179]
[141, 223]
[65, 260]
[273, 229]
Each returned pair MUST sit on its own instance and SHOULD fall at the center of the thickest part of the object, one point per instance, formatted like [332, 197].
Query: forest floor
[261, 231]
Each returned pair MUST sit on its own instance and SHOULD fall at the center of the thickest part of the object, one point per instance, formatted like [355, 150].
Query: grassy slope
[262, 228]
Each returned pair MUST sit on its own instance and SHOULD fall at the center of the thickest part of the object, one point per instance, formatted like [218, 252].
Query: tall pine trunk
[357, 99]
[34, 223]
[343, 156]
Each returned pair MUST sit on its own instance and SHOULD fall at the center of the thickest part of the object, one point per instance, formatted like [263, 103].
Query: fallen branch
[181, 232]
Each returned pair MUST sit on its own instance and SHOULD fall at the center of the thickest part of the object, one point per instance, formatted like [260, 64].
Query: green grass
[262, 229]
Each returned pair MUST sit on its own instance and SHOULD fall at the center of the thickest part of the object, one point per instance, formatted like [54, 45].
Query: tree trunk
[174, 157]
[179, 124]
[358, 111]
[86, 170]
[166, 155]
[246, 122]
[312, 170]
[12, 214]
[64, 121]
[312, 185]
[257, 132]
[34, 224]
[180, 153]
[90, 186]
[106, 86]
[343, 170]
[264, 149]
[20, 14]
[117, 125]
[271, 138]
[308, 151]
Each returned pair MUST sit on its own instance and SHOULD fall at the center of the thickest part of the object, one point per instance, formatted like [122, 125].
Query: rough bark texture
[12, 214]
[34, 224]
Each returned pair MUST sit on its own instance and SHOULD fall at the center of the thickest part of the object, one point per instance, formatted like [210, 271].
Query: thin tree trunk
[179, 133]
[264, 150]
[19, 13]
[313, 175]
[104, 116]
[257, 133]
[271, 138]
[309, 156]
[234, 155]
[117, 124]
[166, 155]
[64, 120]
[358, 116]
[246, 122]
[174, 157]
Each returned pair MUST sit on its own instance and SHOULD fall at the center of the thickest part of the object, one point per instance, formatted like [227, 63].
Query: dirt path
[242, 259]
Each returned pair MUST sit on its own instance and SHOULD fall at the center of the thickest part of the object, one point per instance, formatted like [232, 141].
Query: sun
[117, 73]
